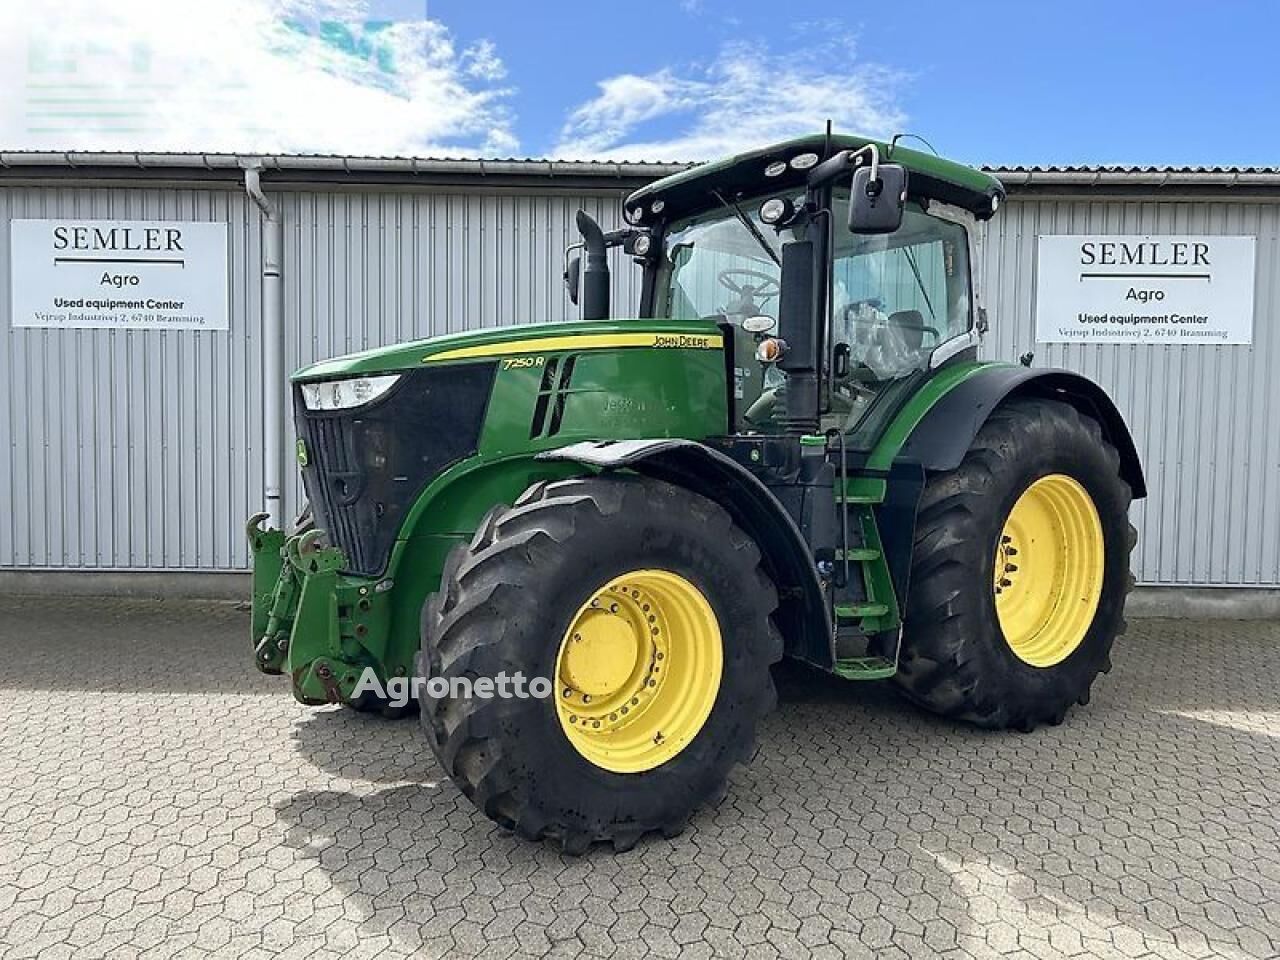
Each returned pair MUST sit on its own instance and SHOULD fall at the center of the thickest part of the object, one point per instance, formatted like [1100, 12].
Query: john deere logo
[303, 460]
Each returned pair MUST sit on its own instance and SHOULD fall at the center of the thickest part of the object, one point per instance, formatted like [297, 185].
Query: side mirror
[572, 277]
[875, 206]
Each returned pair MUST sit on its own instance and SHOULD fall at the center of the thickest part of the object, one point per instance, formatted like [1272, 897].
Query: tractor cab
[894, 300]
[883, 291]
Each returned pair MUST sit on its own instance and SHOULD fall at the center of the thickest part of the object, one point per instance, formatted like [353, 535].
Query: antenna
[914, 136]
[826, 147]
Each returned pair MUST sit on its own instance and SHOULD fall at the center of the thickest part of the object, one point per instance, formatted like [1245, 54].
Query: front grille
[367, 466]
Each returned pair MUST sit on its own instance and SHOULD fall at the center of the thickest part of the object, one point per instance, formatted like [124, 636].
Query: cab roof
[928, 177]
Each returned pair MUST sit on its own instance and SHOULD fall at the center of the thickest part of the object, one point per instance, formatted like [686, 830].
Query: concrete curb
[1178, 603]
[1204, 603]
[140, 585]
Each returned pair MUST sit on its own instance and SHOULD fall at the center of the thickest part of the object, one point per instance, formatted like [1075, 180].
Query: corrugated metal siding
[1204, 417]
[132, 450]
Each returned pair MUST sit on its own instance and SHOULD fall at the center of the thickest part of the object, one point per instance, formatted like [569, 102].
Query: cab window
[895, 297]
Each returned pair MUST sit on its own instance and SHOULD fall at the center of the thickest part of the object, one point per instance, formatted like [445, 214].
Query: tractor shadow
[1151, 813]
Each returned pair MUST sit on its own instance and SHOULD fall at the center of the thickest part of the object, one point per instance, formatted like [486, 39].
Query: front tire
[1020, 571]
[647, 609]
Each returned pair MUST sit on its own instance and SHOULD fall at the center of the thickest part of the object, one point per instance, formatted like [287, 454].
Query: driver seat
[909, 325]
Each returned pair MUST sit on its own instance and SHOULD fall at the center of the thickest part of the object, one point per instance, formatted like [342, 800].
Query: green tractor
[793, 451]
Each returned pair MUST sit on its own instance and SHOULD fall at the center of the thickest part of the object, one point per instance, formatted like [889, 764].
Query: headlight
[777, 211]
[342, 394]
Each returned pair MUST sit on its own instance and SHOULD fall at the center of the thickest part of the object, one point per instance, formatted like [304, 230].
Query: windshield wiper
[751, 227]
[915, 270]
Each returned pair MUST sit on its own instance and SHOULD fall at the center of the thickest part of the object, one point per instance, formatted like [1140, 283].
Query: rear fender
[943, 436]
[802, 611]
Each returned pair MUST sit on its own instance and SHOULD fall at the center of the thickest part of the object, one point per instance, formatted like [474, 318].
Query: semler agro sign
[119, 274]
[1144, 289]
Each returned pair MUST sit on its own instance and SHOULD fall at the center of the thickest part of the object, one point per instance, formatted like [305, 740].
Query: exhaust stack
[595, 269]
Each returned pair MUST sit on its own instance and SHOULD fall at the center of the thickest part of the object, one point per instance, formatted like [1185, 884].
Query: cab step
[862, 554]
[862, 490]
[870, 498]
[864, 668]
[856, 611]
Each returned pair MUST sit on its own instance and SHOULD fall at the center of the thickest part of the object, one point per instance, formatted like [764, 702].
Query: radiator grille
[367, 466]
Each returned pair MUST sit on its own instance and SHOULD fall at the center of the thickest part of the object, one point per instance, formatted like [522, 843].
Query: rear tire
[512, 600]
[956, 659]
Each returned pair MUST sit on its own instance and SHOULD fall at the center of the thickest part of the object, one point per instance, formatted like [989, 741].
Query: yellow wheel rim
[1048, 570]
[638, 671]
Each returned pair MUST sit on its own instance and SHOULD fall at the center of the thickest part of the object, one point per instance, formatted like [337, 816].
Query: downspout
[273, 407]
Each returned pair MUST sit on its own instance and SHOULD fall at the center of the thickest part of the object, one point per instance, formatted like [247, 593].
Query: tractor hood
[517, 340]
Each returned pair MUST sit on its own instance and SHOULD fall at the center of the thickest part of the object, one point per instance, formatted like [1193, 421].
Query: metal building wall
[130, 450]
[140, 450]
[1206, 419]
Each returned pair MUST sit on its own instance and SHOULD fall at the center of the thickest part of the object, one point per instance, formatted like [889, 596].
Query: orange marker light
[771, 350]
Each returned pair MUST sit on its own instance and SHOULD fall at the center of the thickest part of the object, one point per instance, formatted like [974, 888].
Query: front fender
[802, 611]
[943, 436]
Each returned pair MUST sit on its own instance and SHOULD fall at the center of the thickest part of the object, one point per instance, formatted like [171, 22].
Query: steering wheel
[769, 286]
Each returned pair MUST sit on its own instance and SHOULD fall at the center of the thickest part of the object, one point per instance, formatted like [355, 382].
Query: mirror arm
[875, 160]
[611, 239]
[842, 163]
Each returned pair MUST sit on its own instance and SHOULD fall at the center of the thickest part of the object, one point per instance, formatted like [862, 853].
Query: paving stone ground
[159, 797]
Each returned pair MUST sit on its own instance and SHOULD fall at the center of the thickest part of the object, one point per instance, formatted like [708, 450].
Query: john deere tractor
[792, 451]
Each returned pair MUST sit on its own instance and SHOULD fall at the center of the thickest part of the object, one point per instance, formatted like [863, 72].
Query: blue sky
[1001, 82]
[987, 82]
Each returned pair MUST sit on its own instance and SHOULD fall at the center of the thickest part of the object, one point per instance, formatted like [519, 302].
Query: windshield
[715, 266]
[894, 298]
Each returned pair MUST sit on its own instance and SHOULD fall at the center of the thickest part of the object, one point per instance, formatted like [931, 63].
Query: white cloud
[246, 75]
[624, 102]
[747, 97]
